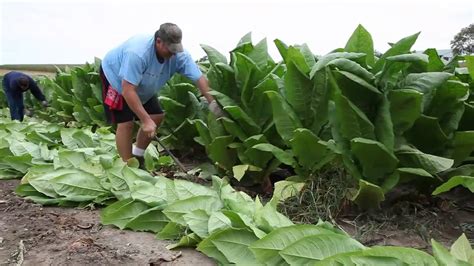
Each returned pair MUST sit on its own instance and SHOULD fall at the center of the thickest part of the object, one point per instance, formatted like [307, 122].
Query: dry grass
[323, 197]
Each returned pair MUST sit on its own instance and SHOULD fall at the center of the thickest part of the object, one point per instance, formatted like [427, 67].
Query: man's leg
[156, 113]
[20, 109]
[123, 139]
[142, 139]
[15, 104]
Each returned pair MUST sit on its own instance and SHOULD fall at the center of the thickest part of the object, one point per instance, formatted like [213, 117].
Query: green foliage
[462, 42]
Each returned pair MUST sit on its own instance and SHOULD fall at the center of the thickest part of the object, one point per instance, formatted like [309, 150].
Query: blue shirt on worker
[136, 61]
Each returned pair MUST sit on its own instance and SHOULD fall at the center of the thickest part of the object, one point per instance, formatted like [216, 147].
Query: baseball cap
[171, 35]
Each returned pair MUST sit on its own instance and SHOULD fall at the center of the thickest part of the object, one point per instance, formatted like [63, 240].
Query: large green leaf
[69, 158]
[298, 91]
[320, 100]
[176, 210]
[463, 146]
[360, 92]
[267, 249]
[402, 46]
[352, 121]
[220, 153]
[218, 221]
[443, 257]
[255, 158]
[29, 192]
[384, 129]
[260, 55]
[357, 258]
[213, 55]
[233, 243]
[467, 120]
[121, 212]
[261, 109]
[233, 129]
[283, 156]
[470, 65]
[462, 250]
[222, 79]
[247, 75]
[296, 57]
[204, 135]
[435, 63]
[243, 221]
[349, 66]
[405, 109]
[268, 218]
[312, 248]
[190, 240]
[425, 83]
[209, 249]
[368, 195]
[148, 193]
[17, 163]
[197, 221]
[171, 231]
[286, 120]
[152, 220]
[249, 126]
[78, 186]
[324, 61]
[19, 148]
[285, 189]
[433, 142]
[282, 48]
[309, 57]
[240, 170]
[187, 189]
[448, 104]
[413, 158]
[409, 256]
[408, 58]
[376, 160]
[361, 42]
[309, 149]
[381, 255]
[466, 181]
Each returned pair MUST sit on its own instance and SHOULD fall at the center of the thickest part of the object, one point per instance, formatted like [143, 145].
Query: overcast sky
[59, 32]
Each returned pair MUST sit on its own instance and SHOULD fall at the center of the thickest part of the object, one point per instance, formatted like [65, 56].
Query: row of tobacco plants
[402, 117]
[69, 166]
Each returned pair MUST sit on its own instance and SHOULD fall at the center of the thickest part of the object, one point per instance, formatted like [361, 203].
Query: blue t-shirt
[136, 62]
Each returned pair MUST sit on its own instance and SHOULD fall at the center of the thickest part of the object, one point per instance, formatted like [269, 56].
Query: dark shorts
[152, 107]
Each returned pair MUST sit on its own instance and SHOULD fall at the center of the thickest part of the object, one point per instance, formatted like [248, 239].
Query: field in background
[36, 69]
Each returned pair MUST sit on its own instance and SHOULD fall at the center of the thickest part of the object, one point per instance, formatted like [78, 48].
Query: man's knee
[158, 118]
[125, 126]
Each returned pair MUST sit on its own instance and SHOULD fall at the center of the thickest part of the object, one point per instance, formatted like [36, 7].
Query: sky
[74, 32]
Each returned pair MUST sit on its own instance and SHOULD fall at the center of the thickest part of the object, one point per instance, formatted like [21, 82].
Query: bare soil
[32, 234]
[412, 219]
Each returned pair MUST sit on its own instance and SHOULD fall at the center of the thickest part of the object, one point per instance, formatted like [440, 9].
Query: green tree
[463, 42]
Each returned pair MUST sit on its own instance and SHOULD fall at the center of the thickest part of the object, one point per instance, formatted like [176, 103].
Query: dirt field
[37, 235]
[413, 220]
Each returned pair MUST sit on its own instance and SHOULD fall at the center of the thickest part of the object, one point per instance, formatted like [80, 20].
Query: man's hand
[45, 103]
[216, 109]
[149, 128]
